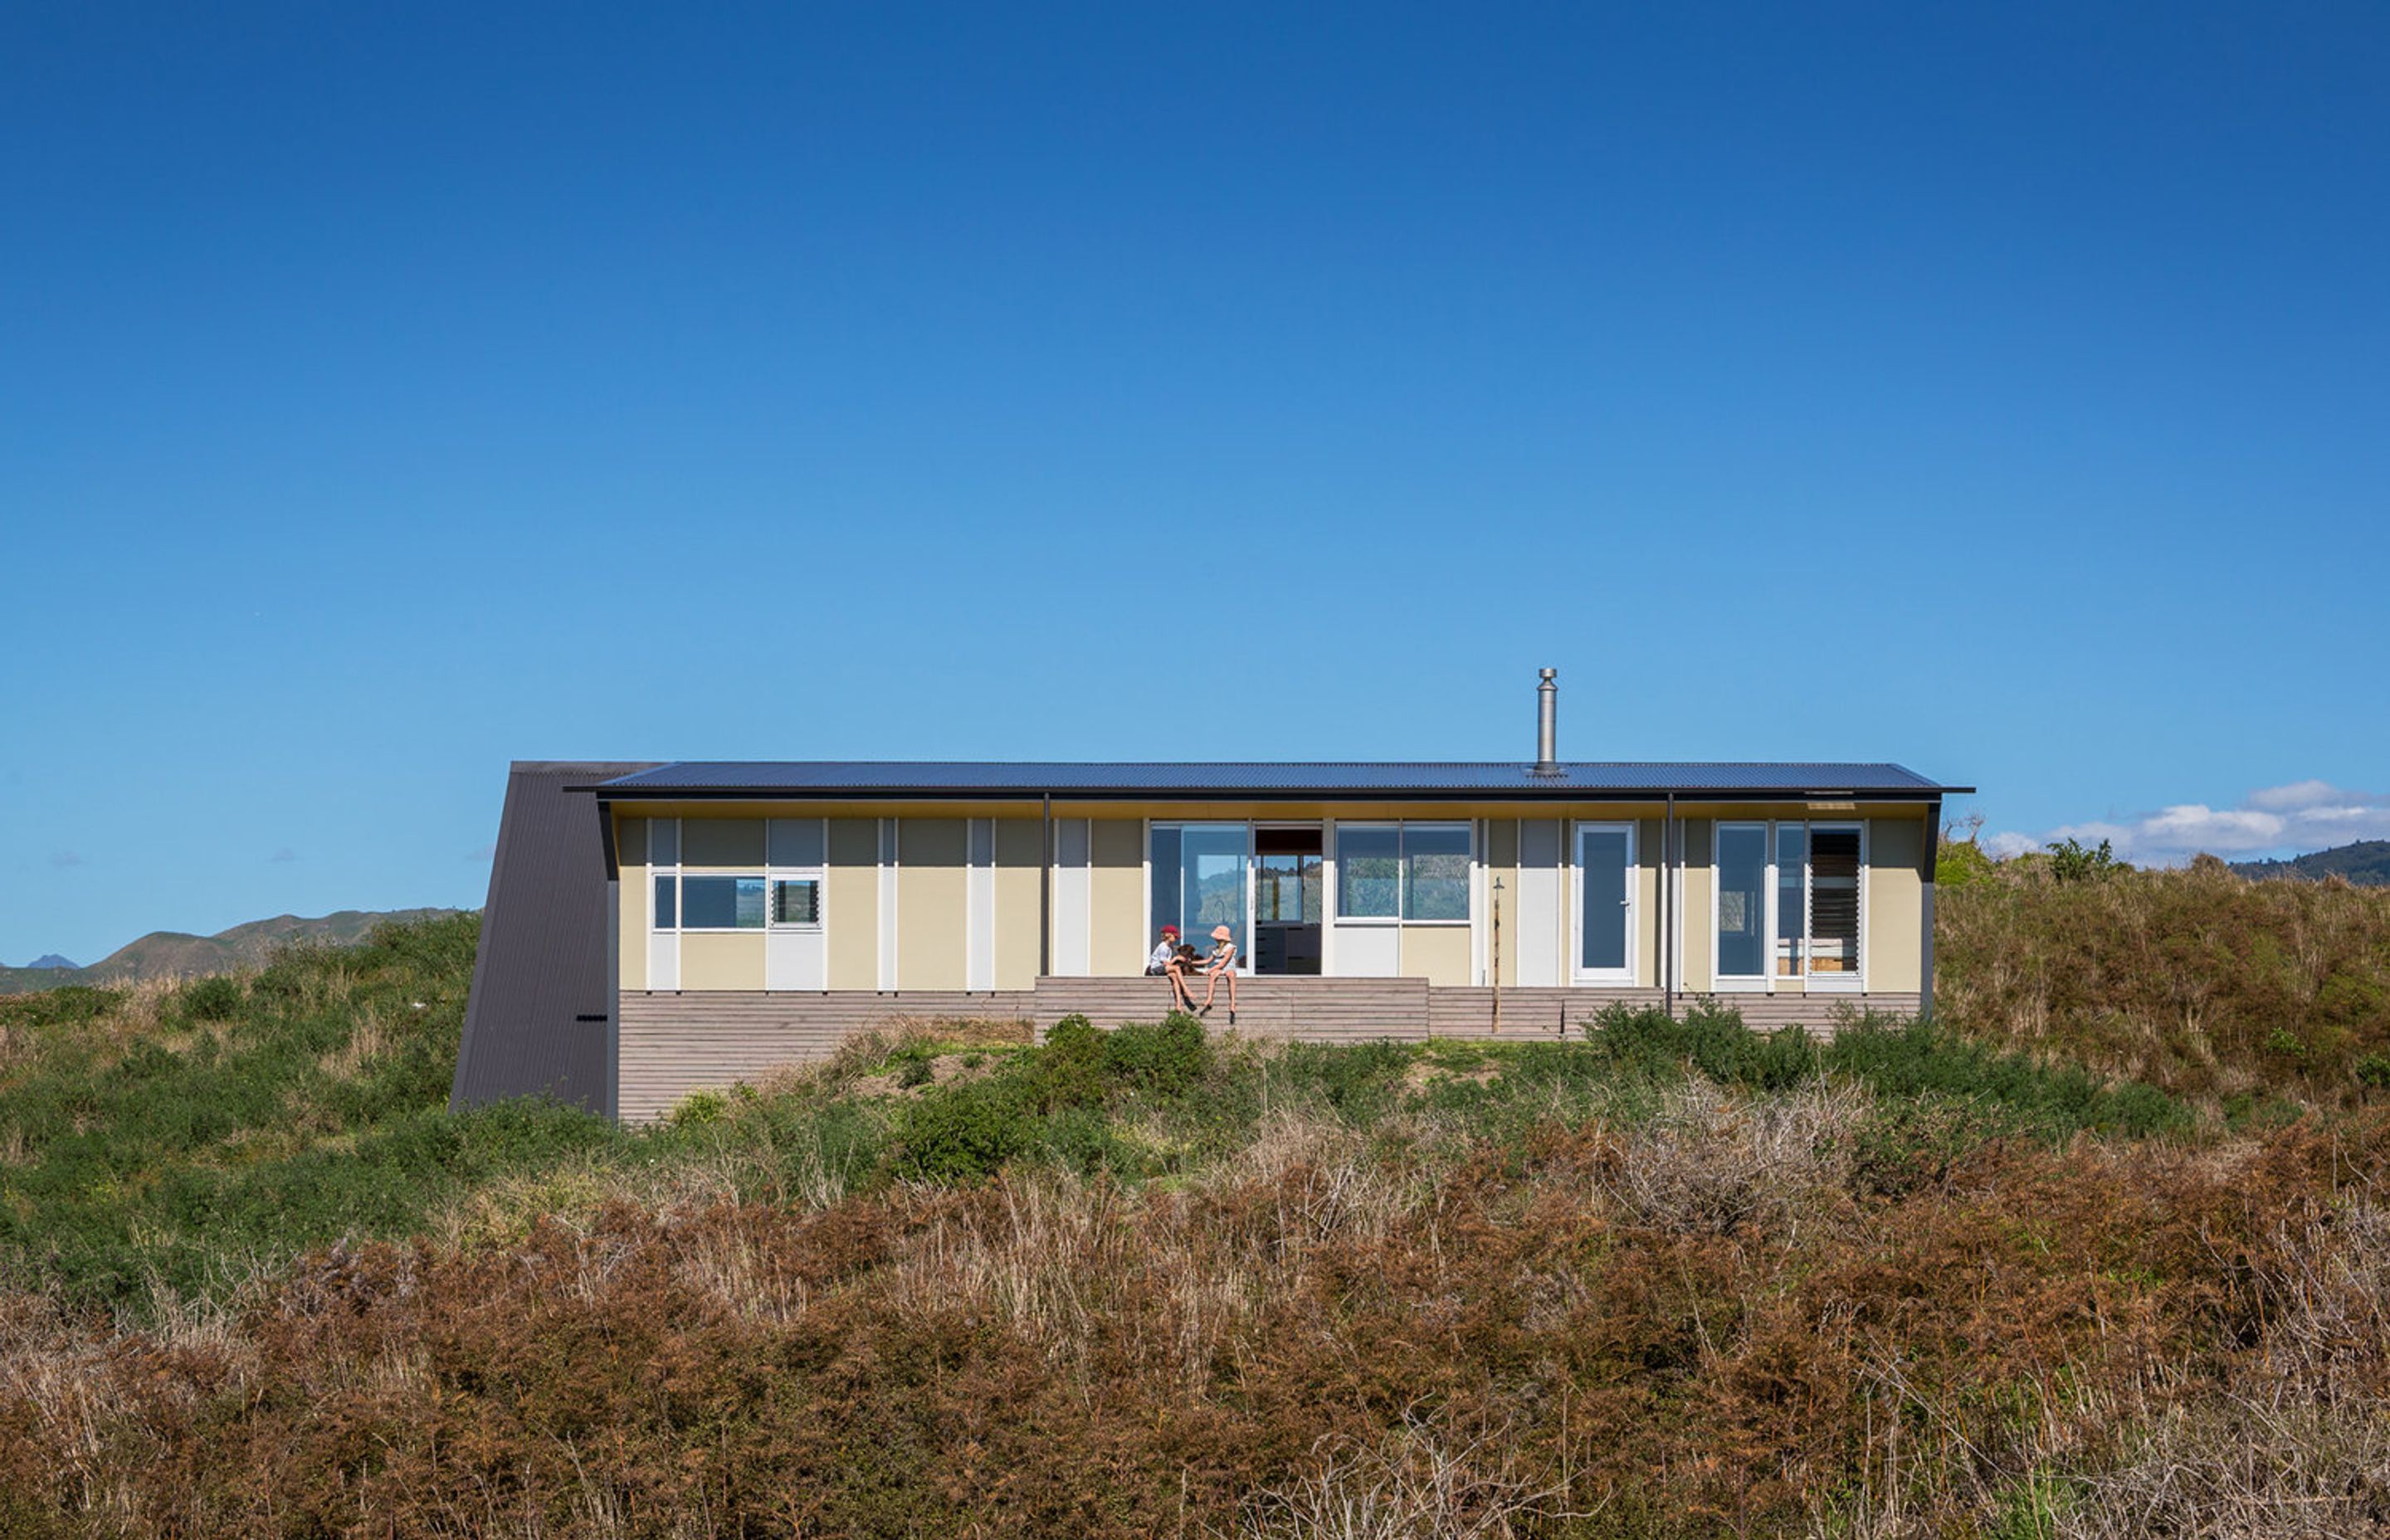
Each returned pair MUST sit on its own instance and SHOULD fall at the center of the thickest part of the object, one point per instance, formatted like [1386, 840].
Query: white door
[1602, 887]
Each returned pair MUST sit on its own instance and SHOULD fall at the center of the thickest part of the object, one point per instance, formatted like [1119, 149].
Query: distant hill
[51, 960]
[2366, 863]
[172, 954]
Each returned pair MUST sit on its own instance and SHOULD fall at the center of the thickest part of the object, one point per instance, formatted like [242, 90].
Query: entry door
[1605, 893]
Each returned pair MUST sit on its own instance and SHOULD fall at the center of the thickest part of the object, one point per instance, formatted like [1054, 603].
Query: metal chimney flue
[1548, 695]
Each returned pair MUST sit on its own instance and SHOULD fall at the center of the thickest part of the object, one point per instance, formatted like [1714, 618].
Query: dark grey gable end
[540, 1021]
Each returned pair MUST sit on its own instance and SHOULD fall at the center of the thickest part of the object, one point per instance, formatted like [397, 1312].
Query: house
[657, 927]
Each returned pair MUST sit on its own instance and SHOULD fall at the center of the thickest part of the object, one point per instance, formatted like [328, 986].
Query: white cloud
[2303, 816]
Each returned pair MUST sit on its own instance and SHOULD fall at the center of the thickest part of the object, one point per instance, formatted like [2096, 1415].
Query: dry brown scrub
[1705, 1327]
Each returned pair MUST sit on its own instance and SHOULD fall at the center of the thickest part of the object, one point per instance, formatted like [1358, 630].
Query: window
[1791, 899]
[796, 901]
[1369, 871]
[1435, 871]
[710, 903]
[667, 901]
[1199, 879]
[1806, 877]
[1834, 901]
[1741, 899]
[1286, 889]
[1417, 872]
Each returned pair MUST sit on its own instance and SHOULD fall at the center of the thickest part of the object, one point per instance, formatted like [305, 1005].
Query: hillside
[2366, 863]
[1660, 1279]
[173, 954]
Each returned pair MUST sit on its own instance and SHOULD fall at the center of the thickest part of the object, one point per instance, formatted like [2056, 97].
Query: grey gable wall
[540, 1019]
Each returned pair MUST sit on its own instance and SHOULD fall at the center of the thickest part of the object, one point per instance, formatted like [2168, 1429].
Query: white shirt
[1161, 956]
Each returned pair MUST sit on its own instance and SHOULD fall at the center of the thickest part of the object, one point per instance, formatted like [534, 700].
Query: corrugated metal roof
[1510, 778]
[540, 1019]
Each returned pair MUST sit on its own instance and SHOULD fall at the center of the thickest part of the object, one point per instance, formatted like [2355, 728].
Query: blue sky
[386, 395]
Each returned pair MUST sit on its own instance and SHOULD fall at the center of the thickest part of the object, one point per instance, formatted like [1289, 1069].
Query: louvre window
[1834, 901]
[796, 901]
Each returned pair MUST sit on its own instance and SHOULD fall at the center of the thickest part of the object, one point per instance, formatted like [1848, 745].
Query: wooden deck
[672, 1044]
[1336, 1010]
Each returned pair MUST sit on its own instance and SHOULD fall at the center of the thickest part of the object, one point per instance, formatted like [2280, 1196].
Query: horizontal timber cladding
[1318, 1010]
[674, 1044]
[1820, 1012]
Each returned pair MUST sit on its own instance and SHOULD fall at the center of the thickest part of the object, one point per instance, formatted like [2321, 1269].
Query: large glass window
[1742, 901]
[1402, 872]
[1199, 879]
[1369, 871]
[1435, 871]
[721, 903]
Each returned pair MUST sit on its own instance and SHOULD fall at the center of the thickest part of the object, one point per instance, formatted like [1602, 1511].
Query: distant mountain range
[172, 954]
[2366, 863]
[51, 960]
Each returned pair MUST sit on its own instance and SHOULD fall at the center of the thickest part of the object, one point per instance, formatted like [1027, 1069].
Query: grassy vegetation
[2039, 1270]
[2197, 981]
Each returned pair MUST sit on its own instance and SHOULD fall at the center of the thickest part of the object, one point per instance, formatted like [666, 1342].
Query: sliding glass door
[1200, 875]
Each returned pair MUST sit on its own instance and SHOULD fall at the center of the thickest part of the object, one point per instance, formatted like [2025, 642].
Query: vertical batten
[888, 904]
[1539, 908]
[1072, 898]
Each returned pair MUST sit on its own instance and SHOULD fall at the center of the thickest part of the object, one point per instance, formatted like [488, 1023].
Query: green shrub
[215, 998]
[2072, 861]
[961, 1134]
[914, 1066]
[1163, 1060]
[2373, 1070]
[699, 1109]
[1959, 863]
[1069, 1072]
[65, 1005]
[1711, 1038]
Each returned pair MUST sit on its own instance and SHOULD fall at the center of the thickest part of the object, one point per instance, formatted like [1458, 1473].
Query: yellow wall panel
[932, 938]
[717, 961]
[1502, 866]
[851, 903]
[1017, 845]
[1437, 953]
[1116, 849]
[1896, 905]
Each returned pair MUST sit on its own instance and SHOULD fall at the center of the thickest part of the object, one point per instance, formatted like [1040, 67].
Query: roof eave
[1289, 793]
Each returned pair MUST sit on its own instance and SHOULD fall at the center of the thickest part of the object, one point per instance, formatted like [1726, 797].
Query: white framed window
[1739, 861]
[795, 851]
[1603, 893]
[722, 901]
[1405, 872]
[663, 875]
[1790, 904]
